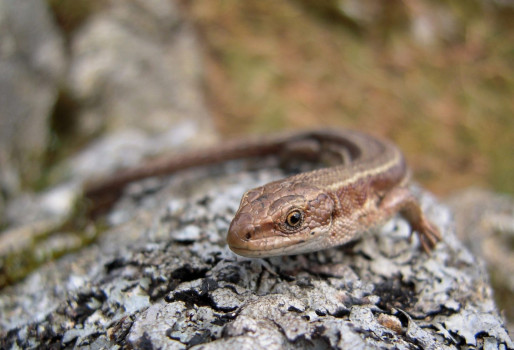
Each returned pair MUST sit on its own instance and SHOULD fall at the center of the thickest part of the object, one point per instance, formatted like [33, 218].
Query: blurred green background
[447, 101]
[445, 95]
[437, 77]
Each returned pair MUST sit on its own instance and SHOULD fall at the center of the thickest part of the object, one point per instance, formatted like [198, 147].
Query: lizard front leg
[401, 200]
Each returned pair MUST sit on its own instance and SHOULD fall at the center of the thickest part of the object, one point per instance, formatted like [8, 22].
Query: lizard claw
[428, 235]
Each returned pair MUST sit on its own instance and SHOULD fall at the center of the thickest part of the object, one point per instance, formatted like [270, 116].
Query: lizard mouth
[269, 247]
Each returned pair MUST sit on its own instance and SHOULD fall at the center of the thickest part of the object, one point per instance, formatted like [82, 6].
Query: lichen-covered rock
[484, 221]
[145, 284]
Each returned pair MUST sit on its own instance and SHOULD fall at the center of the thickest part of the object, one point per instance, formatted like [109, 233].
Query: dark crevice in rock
[188, 273]
[396, 293]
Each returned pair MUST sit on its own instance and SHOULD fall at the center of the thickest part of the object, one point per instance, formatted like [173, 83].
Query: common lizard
[309, 211]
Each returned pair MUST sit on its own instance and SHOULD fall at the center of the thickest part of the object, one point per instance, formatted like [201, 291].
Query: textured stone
[138, 286]
[485, 223]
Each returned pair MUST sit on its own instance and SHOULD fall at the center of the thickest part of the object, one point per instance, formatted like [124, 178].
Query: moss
[47, 243]
[448, 104]
[70, 15]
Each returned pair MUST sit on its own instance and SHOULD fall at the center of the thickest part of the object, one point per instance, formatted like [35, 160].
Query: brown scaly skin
[330, 206]
[309, 211]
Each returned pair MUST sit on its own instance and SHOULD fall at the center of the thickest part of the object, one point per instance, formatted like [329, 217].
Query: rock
[428, 23]
[55, 204]
[32, 64]
[485, 223]
[137, 64]
[135, 73]
[129, 147]
[143, 285]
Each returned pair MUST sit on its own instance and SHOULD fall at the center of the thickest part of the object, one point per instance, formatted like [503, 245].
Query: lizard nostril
[248, 236]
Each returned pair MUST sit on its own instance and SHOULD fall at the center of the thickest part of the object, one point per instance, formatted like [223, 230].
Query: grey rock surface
[34, 234]
[137, 64]
[32, 64]
[485, 223]
[161, 276]
[134, 73]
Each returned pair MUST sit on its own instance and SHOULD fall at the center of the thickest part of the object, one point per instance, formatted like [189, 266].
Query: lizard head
[281, 218]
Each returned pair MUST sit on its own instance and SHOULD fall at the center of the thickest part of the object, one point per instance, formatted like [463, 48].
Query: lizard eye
[294, 218]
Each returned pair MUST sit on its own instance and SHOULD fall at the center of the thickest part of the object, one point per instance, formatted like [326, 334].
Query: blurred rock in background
[120, 82]
[136, 64]
[132, 73]
[32, 64]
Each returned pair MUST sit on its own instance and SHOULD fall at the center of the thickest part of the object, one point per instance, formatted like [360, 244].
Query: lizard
[309, 211]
